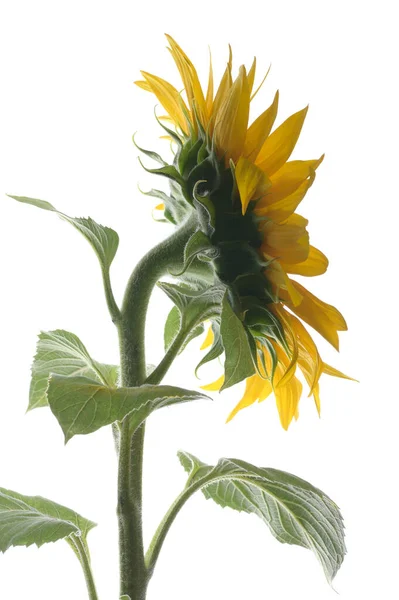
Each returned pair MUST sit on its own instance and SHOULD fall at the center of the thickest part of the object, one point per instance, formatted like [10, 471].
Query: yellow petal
[323, 317]
[208, 341]
[254, 388]
[288, 241]
[287, 400]
[281, 282]
[282, 209]
[279, 145]
[209, 92]
[259, 130]
[169, 97]
[192, 86]
[214, 386]
[232, 119]
[315, 264]
[290, 367]
[261, 83]
[251, 75]
[160, 206]
[316, 397]
[291, 175]
[309, 360]
[252, 183]
[144, 85]
[222, 92]
[328, 370]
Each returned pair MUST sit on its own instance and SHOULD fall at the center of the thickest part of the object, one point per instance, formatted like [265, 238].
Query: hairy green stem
[160, 371]
[131, 327]
[80, 551]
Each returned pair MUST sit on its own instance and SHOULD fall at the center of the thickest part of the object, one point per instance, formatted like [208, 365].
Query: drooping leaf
[82, 405]
[238, 362]
[295, 511]
[27, 520]
[62, 353]
[216, 349]
[103, 240]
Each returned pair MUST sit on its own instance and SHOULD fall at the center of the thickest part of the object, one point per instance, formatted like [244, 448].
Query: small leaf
[103, 240]
[172, 327]
[295, 511]
[216, 349]
[82, 405]
[197, 246]
[27, 520]
[62, 353]
[238, 363]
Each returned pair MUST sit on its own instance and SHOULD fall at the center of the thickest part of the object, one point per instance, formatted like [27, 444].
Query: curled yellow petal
[279, 145]
[252, 183]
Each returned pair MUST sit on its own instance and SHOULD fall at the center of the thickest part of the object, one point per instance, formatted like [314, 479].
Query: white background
[68, 109]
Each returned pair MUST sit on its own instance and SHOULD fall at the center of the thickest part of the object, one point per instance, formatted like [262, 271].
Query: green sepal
[295, 511]
[239, 362]
[169, 131]
[27, 520]
[168, 171]
[150, 153]
[82, 406]
[198, 246]
[206, 211]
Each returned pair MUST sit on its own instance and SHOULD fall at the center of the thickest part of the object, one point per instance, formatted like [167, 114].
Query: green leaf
[193, 307]
[27, 520]
[238, 364]
[172, 327]
[103, 240]
[295, 511]
[62, 353]
[216, 348]
[82, 405]
[150, 153]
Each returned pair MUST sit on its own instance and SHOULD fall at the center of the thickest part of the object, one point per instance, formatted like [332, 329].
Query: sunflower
[238, 177]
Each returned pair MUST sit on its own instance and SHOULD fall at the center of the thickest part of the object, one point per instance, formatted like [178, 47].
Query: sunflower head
[236, 177]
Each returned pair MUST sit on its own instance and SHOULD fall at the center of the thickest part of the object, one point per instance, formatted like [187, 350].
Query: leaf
[216, 349]
[63, 353]
[103, 240]
[27, 520]
[82, 405]
[193, 307]
[172, 327]
[238, 364]
[295, 511]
